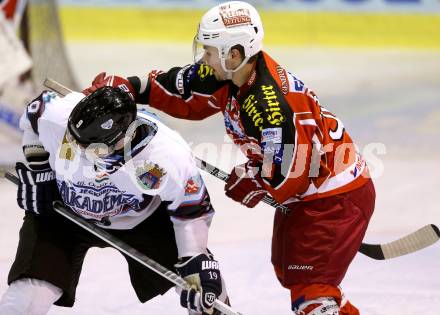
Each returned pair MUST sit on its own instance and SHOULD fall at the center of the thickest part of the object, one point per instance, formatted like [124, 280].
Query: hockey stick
[211, 169]
[124, 247]
[413, 242]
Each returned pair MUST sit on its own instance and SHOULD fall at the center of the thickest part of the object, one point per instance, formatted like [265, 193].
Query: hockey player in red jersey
[111, 165]
[298, 151]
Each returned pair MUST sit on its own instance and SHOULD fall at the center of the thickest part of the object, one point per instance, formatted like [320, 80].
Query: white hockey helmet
[226, 25]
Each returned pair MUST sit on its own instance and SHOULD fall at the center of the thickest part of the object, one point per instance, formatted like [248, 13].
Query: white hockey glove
[37, 189]
[203, 274]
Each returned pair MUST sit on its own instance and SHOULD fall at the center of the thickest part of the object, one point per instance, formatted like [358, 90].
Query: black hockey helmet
[102, 117]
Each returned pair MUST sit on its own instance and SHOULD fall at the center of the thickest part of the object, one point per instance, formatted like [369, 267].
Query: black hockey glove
[203, 274]
[37, 189]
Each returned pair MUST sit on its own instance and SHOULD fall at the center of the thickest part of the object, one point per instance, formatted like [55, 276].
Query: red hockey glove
[109, 80]
[244, 184]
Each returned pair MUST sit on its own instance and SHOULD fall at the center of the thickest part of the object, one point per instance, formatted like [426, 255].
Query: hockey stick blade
[424, 237]
[402, 246]
[124, 248]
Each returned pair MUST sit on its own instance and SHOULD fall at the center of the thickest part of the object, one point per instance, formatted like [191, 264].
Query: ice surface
[393, 99]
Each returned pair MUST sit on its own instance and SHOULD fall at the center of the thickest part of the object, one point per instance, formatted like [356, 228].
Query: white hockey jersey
[122, 190]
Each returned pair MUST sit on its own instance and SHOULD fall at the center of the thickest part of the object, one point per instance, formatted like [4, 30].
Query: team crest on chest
[149, 175]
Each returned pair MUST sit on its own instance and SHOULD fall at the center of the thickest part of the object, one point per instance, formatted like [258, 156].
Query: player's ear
[235, 54]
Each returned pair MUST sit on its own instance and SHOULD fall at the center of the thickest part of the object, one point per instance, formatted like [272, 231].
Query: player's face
[95, 150]
[212, 59]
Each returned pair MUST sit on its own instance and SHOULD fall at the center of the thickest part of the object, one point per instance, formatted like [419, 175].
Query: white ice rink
[388, 97]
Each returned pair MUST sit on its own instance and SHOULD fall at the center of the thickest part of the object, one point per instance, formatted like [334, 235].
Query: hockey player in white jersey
[123, 170]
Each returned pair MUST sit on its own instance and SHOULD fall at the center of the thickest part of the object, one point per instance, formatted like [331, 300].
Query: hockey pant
[314, 244]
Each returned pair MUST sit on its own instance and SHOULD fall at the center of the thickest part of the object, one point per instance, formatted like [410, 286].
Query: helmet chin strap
[229, 72]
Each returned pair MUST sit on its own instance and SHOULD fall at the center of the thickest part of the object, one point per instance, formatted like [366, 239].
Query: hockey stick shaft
[415, 241]
[56, 87]
[12, 178]
[215, 171]
[124, 248]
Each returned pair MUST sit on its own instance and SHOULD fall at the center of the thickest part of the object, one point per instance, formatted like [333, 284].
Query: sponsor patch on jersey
[274, 114]
[252, 78]
[274, 135]
[275, 150]
[149, 175]
[295, 84]
[278, 154]
[271, 144]
[97, 200]
[204, 72]
[251, 108]
[283, 78]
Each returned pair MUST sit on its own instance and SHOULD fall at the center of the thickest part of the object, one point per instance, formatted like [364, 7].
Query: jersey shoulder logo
[295, 84]
[193, 185]
[149, 175]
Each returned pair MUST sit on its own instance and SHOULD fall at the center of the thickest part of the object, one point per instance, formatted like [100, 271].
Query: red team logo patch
[193, 185]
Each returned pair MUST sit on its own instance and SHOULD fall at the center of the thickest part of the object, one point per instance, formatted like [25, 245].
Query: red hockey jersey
[274, 118]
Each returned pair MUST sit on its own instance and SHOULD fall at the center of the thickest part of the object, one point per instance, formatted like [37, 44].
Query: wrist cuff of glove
[185, 261]
[35, 153]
